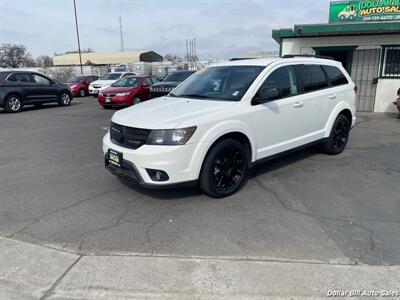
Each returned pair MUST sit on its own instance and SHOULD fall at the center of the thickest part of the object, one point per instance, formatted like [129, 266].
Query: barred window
[391, 67]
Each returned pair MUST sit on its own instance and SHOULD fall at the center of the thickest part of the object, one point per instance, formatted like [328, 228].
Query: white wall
[386, 88]
[386, 93]
[304, 45]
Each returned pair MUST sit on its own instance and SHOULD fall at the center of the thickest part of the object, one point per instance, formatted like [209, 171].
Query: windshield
[76, 79]
[127, 82]
[111, 76]
[177, 76]
[219, 83]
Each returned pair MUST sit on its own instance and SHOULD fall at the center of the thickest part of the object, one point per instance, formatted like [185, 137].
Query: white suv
[224, 119]
[106, 81]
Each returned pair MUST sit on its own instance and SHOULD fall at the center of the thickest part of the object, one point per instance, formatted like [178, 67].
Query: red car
[127, 91]
[79, 84]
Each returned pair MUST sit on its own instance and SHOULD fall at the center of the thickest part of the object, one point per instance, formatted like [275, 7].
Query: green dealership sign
[364, 11]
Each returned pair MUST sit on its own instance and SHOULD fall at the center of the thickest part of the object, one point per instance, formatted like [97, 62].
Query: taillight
[355, 88]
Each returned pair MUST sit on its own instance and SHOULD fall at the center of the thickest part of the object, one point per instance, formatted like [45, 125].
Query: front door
[364, 72]
[44, 89]
[279, 123]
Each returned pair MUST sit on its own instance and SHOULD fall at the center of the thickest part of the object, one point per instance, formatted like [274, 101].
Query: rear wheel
[338, 137]
[13, 104]
[224, 169]
[65, 99]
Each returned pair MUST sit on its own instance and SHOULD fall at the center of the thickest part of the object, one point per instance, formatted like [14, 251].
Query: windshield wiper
[194, 96]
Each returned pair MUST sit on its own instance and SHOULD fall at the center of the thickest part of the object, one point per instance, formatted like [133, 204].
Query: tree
[15, 56]
[173, 57]
[44, 61]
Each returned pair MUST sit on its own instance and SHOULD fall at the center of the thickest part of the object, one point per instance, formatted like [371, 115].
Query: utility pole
[121, 34]
[77, 35]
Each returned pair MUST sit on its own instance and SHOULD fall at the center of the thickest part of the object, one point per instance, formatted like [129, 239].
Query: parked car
[107, 80]
[126, 92]
[221, 121]
[20, 88]
[171, 81]
[79, 85]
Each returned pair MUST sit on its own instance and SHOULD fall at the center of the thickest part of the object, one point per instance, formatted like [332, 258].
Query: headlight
[100, 94]
[170, 136]
[73, 86]
[123, 94]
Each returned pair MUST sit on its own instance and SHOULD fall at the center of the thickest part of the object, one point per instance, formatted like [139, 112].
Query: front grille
[128, 137]
[109, 95]
[97, 86]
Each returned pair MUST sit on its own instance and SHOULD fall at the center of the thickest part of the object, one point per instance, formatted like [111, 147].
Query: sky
[222, 28]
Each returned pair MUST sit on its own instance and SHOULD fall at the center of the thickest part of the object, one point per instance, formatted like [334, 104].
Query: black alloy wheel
[224, 169]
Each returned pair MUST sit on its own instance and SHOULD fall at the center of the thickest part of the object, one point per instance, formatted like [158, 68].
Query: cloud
[223, 28]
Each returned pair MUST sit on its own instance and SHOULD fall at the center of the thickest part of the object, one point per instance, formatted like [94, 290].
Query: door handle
[298, 104]
[332, 97]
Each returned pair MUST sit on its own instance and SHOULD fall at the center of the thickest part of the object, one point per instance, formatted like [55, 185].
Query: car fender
[335, 112]
[215, 132]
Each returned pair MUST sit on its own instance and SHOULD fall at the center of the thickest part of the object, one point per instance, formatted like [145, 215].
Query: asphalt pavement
[306, 207]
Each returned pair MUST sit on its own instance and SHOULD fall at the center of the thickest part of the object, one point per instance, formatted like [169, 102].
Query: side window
[41, 80]
[12, 77]
[282, 79]
[154, 79]
[313, 77]
[335, 76]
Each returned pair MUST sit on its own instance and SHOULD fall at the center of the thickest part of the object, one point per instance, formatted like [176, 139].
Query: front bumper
[116, 101]
[179, 162]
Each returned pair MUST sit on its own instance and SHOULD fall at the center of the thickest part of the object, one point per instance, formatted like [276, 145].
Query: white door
[278, 122]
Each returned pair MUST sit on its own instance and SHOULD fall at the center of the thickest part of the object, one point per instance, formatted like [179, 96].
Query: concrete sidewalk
[35, 272]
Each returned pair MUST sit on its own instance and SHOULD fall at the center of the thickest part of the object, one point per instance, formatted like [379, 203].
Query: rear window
[335, 76]
[313, 77]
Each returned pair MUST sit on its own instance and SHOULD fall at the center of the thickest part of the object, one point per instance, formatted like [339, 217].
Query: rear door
[316, 98]
[26, 84]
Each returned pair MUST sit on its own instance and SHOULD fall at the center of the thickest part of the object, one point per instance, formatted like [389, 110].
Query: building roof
[335, 29]
[72, 59]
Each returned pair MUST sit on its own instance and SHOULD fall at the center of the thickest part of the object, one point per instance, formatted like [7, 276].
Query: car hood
[71, 84]
[118, 89]
[164, 84]
[168, 112]
[103, 82]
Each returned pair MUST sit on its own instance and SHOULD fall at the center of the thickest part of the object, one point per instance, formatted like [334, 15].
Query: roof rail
[307, 55]
[240, 58]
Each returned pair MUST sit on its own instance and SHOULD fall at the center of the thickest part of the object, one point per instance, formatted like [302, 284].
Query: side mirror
[145, 85]
[52, 82]
[266, 94]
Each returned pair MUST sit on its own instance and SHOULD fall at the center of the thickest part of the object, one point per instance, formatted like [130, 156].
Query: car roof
[263, 62]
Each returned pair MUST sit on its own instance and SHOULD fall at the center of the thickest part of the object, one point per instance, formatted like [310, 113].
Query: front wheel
[13, 104]
[338, 137]
[224, 169]
[82, 93]
[136, 100]
[65, 99]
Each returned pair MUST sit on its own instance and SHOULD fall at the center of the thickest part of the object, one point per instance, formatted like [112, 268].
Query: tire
[13, 104]
[82, 92]
[136, 100]
[218, 179]
[65, 99]
[338, 137]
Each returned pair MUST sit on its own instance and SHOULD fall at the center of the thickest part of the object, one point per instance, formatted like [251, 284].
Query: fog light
[157, 175]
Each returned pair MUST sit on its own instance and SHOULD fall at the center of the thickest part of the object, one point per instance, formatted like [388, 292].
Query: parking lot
[306, 207]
